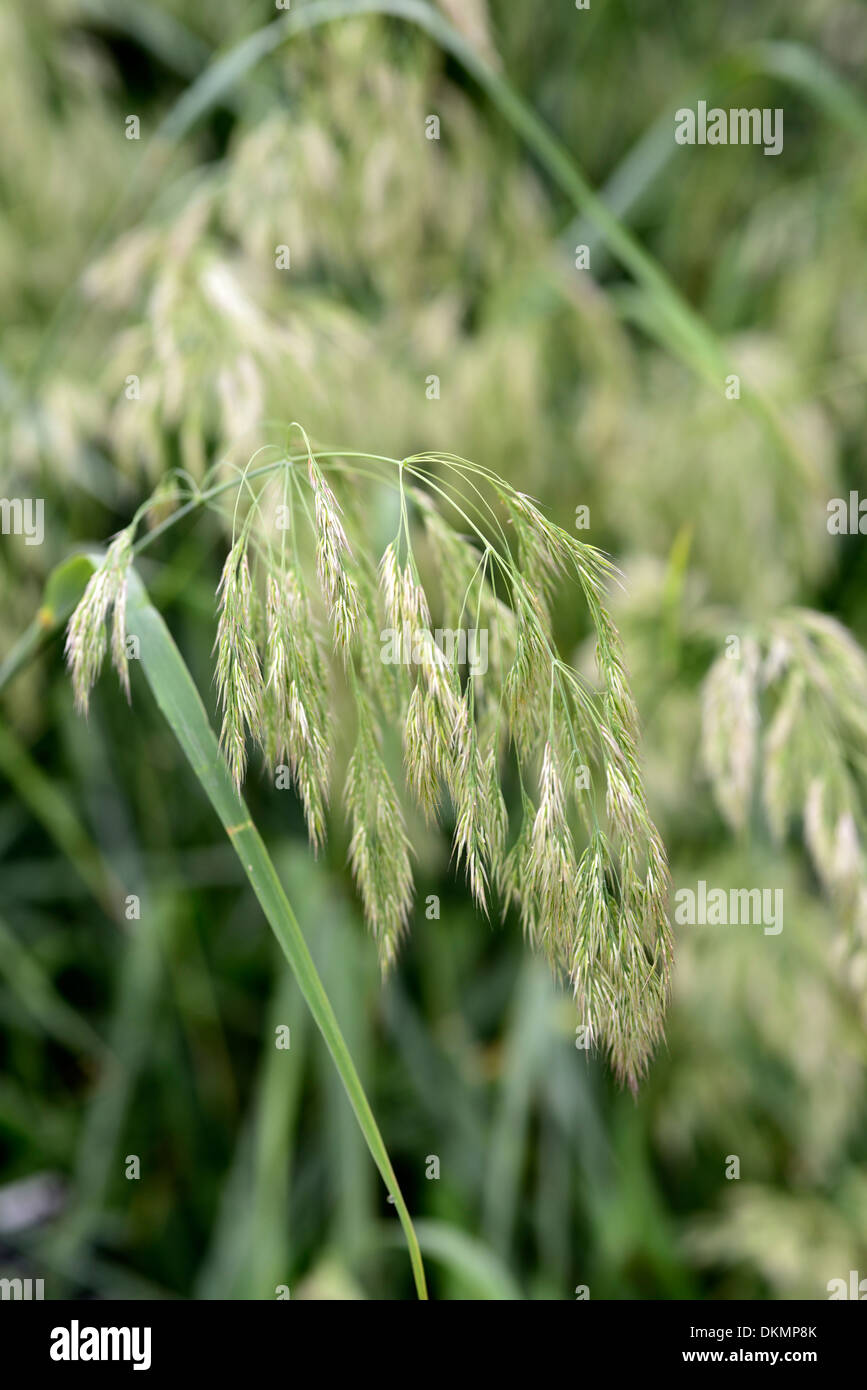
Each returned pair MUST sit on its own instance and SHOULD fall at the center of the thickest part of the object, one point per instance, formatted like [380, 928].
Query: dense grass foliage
[284, 242]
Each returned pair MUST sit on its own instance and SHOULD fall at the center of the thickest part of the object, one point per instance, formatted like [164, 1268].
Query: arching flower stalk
[442, 644]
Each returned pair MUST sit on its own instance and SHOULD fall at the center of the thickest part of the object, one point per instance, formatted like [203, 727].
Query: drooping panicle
[484, 705]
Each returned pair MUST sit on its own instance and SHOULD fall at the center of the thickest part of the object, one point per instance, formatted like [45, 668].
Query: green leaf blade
[179, 701]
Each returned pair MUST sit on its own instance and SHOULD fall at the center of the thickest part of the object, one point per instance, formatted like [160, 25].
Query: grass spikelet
[496, 815]
[730, 723]
[406, 606]
[390, 583]
[593, 991]
[332, 552]
[86, 640]
[295, 690]
[448, 722]
[552, 869]
[238, 673]
[527, 682]
[423, 754]
[472, 844]
[379, 851]
[454, 555]
[539, 545]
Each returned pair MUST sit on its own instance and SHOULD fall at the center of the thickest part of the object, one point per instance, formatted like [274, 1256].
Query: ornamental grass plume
[307, 611]
[783, 729]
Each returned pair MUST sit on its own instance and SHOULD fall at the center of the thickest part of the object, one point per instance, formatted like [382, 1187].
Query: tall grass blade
[482, 1272]
[178, 699]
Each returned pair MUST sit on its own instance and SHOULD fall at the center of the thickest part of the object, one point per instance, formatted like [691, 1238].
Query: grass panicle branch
[479, 693]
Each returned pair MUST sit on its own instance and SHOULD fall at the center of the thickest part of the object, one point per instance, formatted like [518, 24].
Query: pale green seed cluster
[584, 864]
[781, 717]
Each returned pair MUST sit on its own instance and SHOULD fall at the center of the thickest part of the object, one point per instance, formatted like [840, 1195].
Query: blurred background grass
[412, 258]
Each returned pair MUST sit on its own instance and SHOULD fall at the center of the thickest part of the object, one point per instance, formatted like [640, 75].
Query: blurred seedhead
[684, 454]
[785, 726]
[56, 113]
[194, 303]
[762, 1032]
[307, 604]
[797, 1243]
